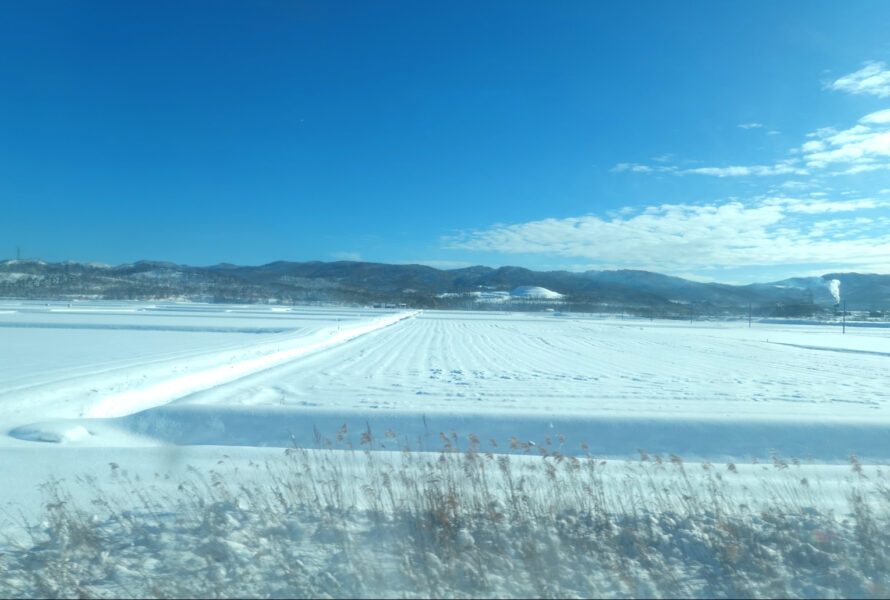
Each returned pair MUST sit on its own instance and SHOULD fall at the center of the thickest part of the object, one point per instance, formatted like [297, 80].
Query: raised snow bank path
[135, 400]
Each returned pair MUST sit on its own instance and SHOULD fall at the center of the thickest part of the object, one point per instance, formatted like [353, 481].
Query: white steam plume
[834, 287]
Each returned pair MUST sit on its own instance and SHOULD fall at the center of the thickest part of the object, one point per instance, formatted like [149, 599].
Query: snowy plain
[158, 389]
[115, 375]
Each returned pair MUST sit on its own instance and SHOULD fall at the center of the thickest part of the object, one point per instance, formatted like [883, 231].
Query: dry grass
[463, 521]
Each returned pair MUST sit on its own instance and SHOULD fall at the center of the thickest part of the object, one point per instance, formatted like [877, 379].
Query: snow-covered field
[256, 376]
[161, 389]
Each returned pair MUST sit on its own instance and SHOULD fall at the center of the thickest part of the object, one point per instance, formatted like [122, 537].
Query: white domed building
[533, 292]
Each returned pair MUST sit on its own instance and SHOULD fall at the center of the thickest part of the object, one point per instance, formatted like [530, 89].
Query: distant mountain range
[638, 292]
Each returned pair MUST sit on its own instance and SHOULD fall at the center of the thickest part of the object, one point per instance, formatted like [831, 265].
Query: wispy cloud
[683, 238]
[861, 148]
[873, 79]
[638, 168]
[812, 207]
[795, 185]
[785, 167]
[442, 264]
[354, 256]
[856, 149]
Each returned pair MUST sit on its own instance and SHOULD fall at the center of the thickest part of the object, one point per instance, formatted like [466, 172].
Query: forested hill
[426, 287]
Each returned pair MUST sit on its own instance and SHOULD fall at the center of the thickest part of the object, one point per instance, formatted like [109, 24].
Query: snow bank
[56, 432]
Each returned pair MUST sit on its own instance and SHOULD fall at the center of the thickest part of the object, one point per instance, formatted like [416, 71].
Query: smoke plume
[834, 286]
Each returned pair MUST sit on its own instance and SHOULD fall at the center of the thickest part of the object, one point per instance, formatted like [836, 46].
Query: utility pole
[844, 318]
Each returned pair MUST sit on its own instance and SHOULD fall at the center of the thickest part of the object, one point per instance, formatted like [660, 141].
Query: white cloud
[782, 168]
[795, 185]
[881, 116]
[442, 264]
[684, 238]
[703, 278]
[812, 207]
[353, 256]
[858, 149]
[863, 168]
[861, 148]
[785, 167]
[638, 168]
[863, 144]
[813, 146]
[872, 79]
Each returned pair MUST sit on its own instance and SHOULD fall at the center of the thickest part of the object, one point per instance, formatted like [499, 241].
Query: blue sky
[719, 141]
